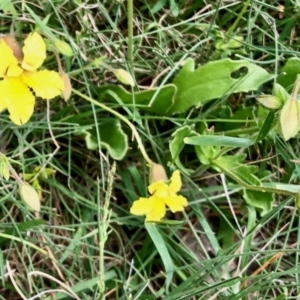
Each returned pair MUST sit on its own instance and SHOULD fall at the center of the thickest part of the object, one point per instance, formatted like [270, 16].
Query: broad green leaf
[242, 113]
[160, 100]
[214, 80]
[217, 140]
[234, 167]
[163, 252]
[112, 137]
[177, 145]
[260, 200]
[291, 70]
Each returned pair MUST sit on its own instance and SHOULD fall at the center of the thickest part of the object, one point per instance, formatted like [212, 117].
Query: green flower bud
[269, 101]
[124, 77]
[63, 47]
[66, 92]
[290, 119]
[30, 196]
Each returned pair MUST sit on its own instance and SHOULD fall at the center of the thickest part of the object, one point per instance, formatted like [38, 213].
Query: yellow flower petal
[176, 203]
[14, 71]
[19, 100]
[158, 185]
[175, 184]
[46, 84]
[34, 51]
[3, 95]
[142, 206]
[7, 58]
[153, 207]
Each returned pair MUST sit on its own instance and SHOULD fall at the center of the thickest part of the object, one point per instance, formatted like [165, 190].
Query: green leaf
[156, 100]
[267, 126]
[215, 80]
[174, 8]
[158, 6]
[292, 69]
[240, 172]
[8, 8]
[280, 92]
[260, 200]
[177, 145]
[112, 137]
[293, 188]
[217, 140]
[162, 250]
[206, 154]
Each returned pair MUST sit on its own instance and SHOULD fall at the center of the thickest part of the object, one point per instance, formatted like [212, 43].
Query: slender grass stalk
[130, 32]
[104, 219]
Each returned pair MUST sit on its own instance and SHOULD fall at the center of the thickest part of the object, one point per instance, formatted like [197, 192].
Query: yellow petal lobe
[3, 95]
[46, 84]
[153, 187]
[153, 207]
[14, 71]
[7, 58]
[19, 100]
[176, 203]
[34, 51]
[175, 184]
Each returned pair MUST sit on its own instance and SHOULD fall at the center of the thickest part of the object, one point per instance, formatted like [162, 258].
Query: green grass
[213, 250]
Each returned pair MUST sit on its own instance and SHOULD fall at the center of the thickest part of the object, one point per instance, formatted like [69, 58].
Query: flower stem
[130, 32]
[122, 118]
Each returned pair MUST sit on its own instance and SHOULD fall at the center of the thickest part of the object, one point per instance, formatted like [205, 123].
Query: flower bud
[157, 173]
[63, 47]
[66, 92]
[290, 119]
[280, 92]
[30, 196]
[269, 101]
[124, 77]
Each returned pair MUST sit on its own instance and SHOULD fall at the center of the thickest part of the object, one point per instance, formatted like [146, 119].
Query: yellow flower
[162, 195]
[19, 76]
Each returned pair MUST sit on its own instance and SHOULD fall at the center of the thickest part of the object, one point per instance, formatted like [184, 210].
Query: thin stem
[237, 20]
[130, 32]
[122, 118]
[232, 27]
